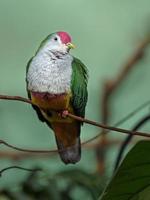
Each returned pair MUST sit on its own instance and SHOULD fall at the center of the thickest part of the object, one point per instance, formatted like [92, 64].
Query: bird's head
[57, 42]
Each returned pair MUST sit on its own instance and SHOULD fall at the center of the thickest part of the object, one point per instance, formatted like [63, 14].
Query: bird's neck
[54, 54]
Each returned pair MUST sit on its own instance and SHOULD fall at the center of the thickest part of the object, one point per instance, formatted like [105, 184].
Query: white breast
[48, 74]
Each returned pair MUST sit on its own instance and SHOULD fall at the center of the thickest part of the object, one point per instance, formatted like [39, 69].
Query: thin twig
[131, 114]
[110, 86]
[121, 121]
[108, 127]
[15, 156]
[27, 150]
[128, 139]
[32, 151]
[18, 98]
[18, 167]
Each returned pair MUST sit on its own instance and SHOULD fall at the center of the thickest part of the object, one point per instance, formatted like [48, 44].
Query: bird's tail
[70, 154]
[68, 141]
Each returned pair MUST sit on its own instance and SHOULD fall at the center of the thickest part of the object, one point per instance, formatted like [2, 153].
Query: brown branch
[43, 154]
[18, 98]
[110, 86]
[108, 127]
[121, 121]
[129, 138]
[27, 150]
[26, 155]
[15, 156]
[30, 152]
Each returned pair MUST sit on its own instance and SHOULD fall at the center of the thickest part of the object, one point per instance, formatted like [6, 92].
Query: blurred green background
[106, 33]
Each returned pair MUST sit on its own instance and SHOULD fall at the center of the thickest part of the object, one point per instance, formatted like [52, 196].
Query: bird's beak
[70, 45]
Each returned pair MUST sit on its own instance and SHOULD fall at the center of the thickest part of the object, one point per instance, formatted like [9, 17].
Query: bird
[56, 83]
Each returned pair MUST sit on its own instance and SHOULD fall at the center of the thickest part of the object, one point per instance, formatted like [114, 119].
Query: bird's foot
[64, 113]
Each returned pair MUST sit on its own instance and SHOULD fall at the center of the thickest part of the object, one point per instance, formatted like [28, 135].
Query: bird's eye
[55, 38]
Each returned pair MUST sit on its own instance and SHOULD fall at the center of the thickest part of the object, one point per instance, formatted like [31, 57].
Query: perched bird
[57, 83]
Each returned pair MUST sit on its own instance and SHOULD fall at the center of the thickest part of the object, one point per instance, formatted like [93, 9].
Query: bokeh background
[106, 34]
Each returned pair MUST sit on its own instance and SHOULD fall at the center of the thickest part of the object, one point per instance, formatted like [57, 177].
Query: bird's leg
[64, 113]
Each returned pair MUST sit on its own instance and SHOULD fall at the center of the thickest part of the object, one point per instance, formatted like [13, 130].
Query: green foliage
[132, 180]
[65, 185]
[78, 178]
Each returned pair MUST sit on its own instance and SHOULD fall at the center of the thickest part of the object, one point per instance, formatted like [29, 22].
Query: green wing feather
[79, 87]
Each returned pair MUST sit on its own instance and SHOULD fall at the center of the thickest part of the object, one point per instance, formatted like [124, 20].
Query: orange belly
[52, 104]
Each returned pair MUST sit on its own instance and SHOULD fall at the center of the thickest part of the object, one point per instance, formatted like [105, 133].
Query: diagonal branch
[110, 87]
[16, 98]
[129, 138]
[103, 126]
[108, 127]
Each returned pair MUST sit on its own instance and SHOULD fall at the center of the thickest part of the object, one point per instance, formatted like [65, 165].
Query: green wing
[79, 87]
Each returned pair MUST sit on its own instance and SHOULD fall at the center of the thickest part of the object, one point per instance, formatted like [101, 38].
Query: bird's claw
[64, 113]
